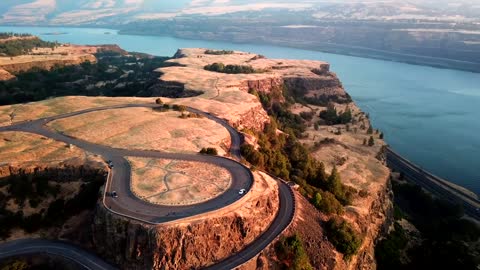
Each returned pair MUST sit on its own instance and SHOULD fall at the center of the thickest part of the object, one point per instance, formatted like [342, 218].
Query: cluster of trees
[5, 35]
[17, 47]
[209, 151]
[230, 69]
[332, 117]
[218, 52]
[38, 188]
[282, 154]
[291, 253]
[444, 231]
[343, 236]
[37, 84]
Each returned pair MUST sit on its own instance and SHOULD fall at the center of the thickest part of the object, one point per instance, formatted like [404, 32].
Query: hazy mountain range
[114, 12]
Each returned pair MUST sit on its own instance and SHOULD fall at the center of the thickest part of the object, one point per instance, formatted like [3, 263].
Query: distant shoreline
[341, 49]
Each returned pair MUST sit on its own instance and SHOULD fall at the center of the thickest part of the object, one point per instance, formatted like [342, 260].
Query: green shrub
[292, 254]
[327, 203]
[230, 69]
[218, 52]
[343, 237]
[23, 46]
[209, 151]
[371, 141]
[332, 117]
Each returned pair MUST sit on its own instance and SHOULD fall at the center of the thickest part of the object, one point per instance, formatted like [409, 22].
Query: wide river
[429, 115]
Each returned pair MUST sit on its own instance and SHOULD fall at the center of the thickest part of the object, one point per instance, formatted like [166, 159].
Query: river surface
[431, 116]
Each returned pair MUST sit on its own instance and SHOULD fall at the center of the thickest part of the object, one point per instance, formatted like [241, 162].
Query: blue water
[429, 115]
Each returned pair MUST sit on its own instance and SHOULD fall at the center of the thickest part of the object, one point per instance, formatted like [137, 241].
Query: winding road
[130, 206]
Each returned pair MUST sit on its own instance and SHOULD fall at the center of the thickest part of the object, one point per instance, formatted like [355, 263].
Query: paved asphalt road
[85, 259]
[127, 204]
[433, 184]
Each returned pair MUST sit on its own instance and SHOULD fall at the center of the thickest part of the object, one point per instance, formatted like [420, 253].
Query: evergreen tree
[370, 130]
[334, 183]
[371, 141]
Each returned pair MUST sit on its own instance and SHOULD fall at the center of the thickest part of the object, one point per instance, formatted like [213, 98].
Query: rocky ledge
[189, 243]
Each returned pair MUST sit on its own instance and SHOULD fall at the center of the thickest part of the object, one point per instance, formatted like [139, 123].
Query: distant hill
[113, 12]
[441, 33]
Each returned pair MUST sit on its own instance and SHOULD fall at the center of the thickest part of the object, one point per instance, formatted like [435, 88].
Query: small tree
[316, 126]
[370, 130]
[209, 151]
[381, 136]
[159, 101]
[334, 183]
[182, 108]
[365, 141]
[371, 141]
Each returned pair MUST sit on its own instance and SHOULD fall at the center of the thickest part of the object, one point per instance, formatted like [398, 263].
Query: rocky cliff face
[254, 119]
[326, 84]
[265, 85]
[374, 226]
[5, 75]
[58, 173]
[187, 244]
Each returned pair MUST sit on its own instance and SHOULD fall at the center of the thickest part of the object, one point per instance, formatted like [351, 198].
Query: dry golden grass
[145, 129]
[226, 95]
[66, 53]
[61, 105]
[20, 147]
[32, 59]
[173, 182]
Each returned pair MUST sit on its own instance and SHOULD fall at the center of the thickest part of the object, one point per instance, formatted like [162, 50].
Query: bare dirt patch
[173, 182]
[146, 129]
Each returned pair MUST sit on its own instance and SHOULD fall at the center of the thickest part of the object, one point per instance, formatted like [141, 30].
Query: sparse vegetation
[292, 254]
[218, 52]
[371, 141]
[231, 69]
[23, 187]
[343, 237]
[327, 203]
[179, 108]
[87, 79]
[209, 151]
[332, 117]
[190, 115]
[282, 155]
[5, 35]
[370, 130]
[21, 46]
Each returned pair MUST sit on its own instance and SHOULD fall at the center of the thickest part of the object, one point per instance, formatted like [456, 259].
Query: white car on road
[242, 191]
